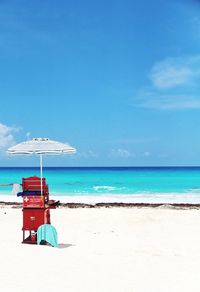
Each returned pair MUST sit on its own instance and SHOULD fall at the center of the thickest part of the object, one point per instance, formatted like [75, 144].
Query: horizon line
[135, 166]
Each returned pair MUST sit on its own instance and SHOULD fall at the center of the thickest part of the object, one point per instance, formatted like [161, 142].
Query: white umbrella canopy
[41, 146]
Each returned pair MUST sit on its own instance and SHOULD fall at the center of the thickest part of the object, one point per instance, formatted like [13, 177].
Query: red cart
[36, 207]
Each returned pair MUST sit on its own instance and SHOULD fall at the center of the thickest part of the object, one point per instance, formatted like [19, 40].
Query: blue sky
[118, 80]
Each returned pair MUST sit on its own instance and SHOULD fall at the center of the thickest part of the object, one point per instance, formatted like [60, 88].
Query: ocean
[111, 184]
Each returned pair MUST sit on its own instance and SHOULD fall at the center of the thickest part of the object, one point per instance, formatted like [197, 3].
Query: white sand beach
[104, 249]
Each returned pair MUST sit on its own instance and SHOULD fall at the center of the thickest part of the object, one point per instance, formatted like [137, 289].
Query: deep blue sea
[128, 184]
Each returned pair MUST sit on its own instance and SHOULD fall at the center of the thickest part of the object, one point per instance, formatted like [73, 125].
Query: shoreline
[105, 198]
[112, 205]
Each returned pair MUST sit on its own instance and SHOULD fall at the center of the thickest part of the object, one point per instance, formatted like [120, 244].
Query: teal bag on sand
[47, 233]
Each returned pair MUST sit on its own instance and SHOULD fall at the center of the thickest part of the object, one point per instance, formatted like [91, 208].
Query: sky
[118, 80]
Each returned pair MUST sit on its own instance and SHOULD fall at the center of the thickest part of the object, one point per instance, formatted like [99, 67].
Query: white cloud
[123, 153]
[175, 85]
[133, 141]
[167, 76]
[174, 72]
[170, 101]
[6, 136]
[163, 155]
[85, 154]
[92, 154]
[28, 135]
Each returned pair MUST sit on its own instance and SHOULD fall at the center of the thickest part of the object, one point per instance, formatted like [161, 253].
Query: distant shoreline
[113, 205]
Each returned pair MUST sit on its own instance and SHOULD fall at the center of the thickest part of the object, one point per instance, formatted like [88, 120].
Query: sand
[104, 249]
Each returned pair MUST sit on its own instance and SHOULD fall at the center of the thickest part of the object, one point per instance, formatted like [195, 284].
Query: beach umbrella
[41, 146]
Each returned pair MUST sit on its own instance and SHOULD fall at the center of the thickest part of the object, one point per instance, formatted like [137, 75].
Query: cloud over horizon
[6, 136]
[120, 153]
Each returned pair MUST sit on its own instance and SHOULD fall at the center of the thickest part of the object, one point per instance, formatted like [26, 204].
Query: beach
[105, 249]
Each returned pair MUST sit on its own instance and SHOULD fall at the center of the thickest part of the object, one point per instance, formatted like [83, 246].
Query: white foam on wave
[139, 198]
[150, 198]
[104, 188]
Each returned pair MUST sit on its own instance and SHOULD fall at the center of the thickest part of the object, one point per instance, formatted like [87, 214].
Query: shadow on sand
[65, 245]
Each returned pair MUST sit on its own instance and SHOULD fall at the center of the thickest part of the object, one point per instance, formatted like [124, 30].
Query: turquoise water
[110, 180]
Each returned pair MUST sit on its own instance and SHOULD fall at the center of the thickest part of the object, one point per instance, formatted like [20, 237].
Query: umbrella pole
[41, 173]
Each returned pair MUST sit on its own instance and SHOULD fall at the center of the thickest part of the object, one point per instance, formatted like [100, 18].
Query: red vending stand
[36, 207]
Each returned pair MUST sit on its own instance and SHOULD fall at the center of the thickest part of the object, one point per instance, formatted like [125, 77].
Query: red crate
[33, 218]
[33, 183]
[33, 202]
